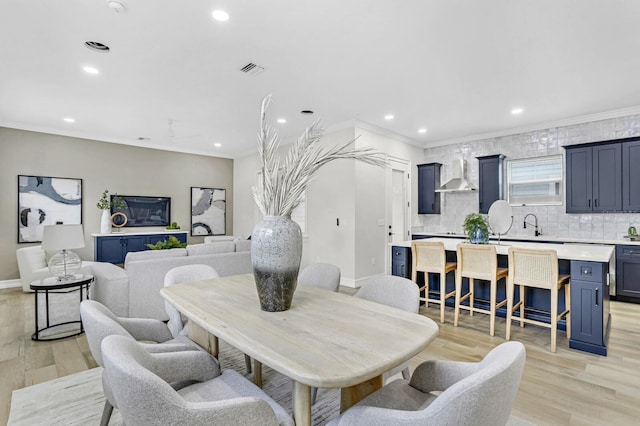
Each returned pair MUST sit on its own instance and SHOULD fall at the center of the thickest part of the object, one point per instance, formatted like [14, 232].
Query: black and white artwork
[208, 211]
[44, 201]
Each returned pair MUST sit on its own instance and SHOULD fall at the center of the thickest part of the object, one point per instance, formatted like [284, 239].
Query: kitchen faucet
[535, 224]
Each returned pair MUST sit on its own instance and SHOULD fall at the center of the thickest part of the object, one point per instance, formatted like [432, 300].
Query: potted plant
[476, 228]
[105, 204]
[276, 247]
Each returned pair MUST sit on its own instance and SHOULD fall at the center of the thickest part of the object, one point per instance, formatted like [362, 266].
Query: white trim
[10, 284]
[357, 124]
[538, 126]
[93, 137]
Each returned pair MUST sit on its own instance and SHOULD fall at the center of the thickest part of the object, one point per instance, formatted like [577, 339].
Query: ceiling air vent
[252, 69]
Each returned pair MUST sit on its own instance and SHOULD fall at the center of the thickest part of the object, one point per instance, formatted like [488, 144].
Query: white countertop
[584, 252]
[619, 241]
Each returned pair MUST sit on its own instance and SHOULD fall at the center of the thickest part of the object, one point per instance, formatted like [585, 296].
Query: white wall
[351, 192]
[552, 219]
[124, 169]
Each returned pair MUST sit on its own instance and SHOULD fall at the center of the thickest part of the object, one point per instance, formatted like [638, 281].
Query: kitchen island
[587, 264]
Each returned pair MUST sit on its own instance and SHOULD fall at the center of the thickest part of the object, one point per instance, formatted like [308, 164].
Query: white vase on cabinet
[105, 222]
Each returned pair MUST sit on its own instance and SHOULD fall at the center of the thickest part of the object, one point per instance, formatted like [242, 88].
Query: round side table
[80, 282]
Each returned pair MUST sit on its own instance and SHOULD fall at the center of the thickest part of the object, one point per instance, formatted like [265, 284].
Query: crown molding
[98, 138]
[374, 129]
[538, 126]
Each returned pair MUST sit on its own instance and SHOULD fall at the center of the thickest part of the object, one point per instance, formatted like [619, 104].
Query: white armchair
[32, 264]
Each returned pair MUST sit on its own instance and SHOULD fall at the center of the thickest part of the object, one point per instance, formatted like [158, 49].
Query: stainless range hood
[459, 182]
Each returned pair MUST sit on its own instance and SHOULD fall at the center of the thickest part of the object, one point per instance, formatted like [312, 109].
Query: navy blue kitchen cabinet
[490, 187]
[589, 307]
[401, 261]
[594, 178]
[631, 176]
[428, 182]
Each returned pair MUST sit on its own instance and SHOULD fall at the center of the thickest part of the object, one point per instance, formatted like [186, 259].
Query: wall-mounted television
[143, 210]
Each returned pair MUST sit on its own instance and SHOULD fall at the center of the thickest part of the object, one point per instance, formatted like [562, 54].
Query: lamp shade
[62, 237]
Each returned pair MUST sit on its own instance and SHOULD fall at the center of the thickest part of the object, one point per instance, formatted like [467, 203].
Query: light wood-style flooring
[566, 388]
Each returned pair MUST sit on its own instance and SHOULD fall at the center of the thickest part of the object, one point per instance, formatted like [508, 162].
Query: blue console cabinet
[114, 248]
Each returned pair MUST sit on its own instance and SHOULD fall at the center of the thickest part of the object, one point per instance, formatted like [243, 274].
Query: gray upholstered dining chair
[182, 274]
[99, 322]
[140, 383]
[320, 275]
[446, 393]
[397, 292]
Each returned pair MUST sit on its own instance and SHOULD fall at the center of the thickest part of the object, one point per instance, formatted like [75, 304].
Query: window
[535, 181]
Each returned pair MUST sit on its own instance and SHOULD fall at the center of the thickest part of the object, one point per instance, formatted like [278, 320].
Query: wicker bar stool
[430, 257]
[478, 262]
[539, 269]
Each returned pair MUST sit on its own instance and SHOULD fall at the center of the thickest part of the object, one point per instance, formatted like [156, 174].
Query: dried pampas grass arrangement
[281, 186]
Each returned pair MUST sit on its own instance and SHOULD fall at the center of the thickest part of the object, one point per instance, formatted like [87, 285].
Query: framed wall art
[208, 211]
[44, 200]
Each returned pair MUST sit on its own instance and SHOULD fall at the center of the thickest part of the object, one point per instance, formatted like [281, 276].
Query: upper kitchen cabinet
[428, 181]
[631, 176]
[490, 181]
[594, 178]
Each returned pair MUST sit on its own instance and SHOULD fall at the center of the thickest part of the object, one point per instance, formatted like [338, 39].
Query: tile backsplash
[552, 220]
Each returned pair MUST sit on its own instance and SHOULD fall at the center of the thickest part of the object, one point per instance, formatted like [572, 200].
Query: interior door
[398, 198]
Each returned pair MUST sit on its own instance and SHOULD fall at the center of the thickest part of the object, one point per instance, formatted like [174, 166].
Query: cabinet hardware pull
[597, 298]
[596, 202]
[589, 202]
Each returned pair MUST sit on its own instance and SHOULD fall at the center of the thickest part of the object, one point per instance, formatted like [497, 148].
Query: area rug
[78, 399]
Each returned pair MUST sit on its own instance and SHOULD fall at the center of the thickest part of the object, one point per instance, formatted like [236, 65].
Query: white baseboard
[350, 282]
[10, 284]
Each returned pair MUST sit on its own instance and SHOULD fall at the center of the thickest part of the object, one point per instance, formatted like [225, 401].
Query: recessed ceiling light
[388, 117]
[69, 120]
[423, 130]
[281, 120]
[220, 15]
[91, 70]
[217, 145]
[517, 111]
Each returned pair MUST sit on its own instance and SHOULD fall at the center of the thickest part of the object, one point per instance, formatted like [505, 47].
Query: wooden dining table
[326, 339]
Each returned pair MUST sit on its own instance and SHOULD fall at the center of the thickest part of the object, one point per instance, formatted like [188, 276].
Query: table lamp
[64, 264]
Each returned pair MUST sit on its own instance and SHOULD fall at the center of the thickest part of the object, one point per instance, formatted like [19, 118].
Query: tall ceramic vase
[105, 222]
[276, 250]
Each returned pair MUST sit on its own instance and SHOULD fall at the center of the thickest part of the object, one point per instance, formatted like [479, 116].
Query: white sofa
[146, 271]
[135, 290]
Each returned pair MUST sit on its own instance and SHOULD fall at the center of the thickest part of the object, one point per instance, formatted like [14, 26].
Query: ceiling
[173, 75]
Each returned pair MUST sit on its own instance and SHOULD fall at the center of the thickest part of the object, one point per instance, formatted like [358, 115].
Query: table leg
[301, 404]
[351, 395]
[46, 296]
[257, 373]
[36, 303]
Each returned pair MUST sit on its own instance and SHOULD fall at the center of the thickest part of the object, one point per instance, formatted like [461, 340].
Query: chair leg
[492, 308]
[106, 413]
[314, 394]
[521, 306]
[567, 302]
[443, 291]
[472, 284]
[554, 318]
[456, 309]
[405, 374]
[510, 296]
[247, 363]
[426, 289]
